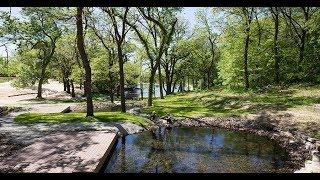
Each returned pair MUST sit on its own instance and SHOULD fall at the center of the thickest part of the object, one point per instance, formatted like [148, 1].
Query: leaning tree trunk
[86, 63]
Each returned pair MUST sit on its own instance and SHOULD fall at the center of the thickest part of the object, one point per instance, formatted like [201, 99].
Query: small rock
[287, 134]
[310, 146]
[312, 140]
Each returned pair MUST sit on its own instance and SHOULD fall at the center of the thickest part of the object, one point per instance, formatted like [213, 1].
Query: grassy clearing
[219, 102]
[80, 117]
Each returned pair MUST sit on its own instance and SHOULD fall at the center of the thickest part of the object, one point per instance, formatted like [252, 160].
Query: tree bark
[160, 82]
[72, 89]
[301, 48]
[123, 100]
[86, 63]
[151, 84]
[275, 44]
[141, 91]
[168, 83]
[43, 70]
[64, 84]
[245, 62]
[39, 94]
[68, 85]
[248, 18]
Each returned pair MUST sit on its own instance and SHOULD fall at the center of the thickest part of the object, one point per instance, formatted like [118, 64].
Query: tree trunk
[168, 83]
[275, 48]
[68, 85]
[301, 50]
[160, 82]
[193, 84]
[188, 84]
[86, 63]
[112, 97]
[246, 74]
[151, 84]
[43, 70]
[72, 89]
[141, 87]
[123, 100]
[64, 84]
[39, 94]
[174, 86]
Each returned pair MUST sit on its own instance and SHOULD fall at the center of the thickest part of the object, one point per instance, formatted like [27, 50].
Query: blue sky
[188, 14]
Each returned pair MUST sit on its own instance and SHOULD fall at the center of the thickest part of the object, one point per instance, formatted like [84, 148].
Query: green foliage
[261, 55]
[9, 67]
[29, 70]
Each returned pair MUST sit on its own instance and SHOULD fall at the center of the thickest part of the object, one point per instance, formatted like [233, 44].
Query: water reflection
[197, 150]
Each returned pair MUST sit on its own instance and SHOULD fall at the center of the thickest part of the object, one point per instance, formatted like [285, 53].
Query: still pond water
[196, 150]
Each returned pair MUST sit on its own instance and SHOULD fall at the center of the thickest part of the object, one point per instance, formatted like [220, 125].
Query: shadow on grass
[221, 103]
[109, 117]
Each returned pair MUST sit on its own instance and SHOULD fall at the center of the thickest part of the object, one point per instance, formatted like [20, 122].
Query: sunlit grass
[80, 117]
[220, 102]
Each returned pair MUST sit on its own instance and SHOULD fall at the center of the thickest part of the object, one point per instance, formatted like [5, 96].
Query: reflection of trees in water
[160, 159]
[162, 151]
[123, 154]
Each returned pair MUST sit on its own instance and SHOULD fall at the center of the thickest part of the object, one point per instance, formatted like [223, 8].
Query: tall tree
[119, 36]
[40, 32]
[247, 14]
[298, 28]
[106, 37]
[275, 16]
[85, 60]
[150, 17]
[208, 31]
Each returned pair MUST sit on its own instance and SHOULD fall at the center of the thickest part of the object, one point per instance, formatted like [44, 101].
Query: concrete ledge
[105, 155]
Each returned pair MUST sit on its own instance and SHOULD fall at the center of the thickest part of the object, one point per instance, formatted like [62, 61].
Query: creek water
[197, 150]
